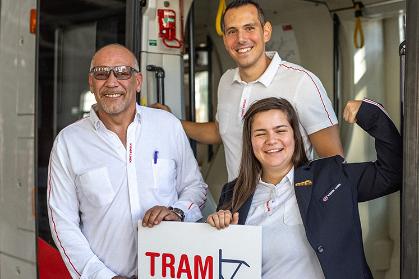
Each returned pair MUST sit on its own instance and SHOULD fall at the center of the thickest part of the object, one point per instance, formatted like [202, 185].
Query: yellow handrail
[358, 26]
[221, 9]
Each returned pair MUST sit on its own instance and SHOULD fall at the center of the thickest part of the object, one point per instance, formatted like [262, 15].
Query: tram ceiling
[343, 4]
[339, 4]
[372, 8]
[65, 11]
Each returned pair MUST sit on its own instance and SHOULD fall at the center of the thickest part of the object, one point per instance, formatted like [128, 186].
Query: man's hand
[223, 218]
[161, 106]
[206, 133]
[351, 110]
[158, 213]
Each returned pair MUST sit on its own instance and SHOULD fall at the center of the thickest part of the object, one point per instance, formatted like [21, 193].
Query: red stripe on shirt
[202, 204]
[267, 206]
[53, 222]
[380, 106]
[315, 84]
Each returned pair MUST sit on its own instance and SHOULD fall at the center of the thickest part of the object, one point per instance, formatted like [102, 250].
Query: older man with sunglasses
[122, 163]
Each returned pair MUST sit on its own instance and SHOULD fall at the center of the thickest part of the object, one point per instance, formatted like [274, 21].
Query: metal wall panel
[13, 268]
[17, 94]
[410, 194]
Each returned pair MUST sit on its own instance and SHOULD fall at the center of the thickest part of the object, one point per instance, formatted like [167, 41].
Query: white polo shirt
[98, 189]
[282, 80]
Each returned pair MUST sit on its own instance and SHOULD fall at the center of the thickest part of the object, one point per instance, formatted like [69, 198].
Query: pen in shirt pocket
[155, 156]
[154, 166]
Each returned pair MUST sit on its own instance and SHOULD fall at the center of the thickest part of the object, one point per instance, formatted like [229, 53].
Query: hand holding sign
[222, 219]
[156, 214]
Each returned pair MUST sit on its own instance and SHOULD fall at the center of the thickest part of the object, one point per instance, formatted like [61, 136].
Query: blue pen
[156, 154]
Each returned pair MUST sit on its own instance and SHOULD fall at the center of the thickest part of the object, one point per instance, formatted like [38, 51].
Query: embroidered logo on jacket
[304, 183]
[326, 198]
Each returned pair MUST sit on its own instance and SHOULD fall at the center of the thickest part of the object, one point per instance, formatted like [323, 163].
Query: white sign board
[199, 251]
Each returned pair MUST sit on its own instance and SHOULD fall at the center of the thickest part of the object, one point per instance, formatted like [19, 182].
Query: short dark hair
[240, 3]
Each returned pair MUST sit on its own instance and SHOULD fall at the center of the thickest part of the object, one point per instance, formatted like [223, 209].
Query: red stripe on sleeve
[53, 222]
[315, 84]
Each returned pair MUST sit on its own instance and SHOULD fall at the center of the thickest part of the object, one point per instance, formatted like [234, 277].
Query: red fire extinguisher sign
[167, 28]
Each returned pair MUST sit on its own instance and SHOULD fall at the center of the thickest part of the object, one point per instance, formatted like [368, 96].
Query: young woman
[308, 210]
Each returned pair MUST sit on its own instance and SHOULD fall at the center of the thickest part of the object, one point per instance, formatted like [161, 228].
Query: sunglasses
[120, 72]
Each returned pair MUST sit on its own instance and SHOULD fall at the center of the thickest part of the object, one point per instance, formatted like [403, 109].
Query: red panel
[50, 263]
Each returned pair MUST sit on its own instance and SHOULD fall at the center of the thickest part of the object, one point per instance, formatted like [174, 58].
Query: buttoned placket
[275, 195]
[112, 139]
[132, 173]
[272, 201]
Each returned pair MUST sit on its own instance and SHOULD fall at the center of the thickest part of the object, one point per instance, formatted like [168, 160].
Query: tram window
[201, 87]
[70, 31]
[87, 99]
[201, 96]
[202, 58]
[402, 27]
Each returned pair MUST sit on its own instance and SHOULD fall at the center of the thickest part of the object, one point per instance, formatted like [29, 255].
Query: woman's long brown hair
[250, 167]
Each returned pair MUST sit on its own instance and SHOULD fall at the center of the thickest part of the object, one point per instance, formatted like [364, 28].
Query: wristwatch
[179, 212]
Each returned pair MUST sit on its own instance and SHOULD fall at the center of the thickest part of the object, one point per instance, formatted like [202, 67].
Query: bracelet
[178, 212]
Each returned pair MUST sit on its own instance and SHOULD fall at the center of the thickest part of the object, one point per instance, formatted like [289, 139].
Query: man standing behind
[259, 75]
[121, 164]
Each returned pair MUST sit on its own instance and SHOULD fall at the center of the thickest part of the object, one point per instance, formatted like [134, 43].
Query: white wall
[313, 27]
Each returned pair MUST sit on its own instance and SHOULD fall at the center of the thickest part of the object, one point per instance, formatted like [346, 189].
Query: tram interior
[71, 31]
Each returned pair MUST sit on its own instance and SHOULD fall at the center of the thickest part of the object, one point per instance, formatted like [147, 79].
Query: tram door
[70, 31]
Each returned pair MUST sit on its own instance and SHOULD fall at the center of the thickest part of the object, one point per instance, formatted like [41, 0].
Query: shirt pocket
[164, 175]
[224, 114]
[96, 187]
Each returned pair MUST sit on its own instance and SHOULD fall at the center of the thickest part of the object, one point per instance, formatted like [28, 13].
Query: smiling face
[273, 141]
[245, 37]
[115, 97]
